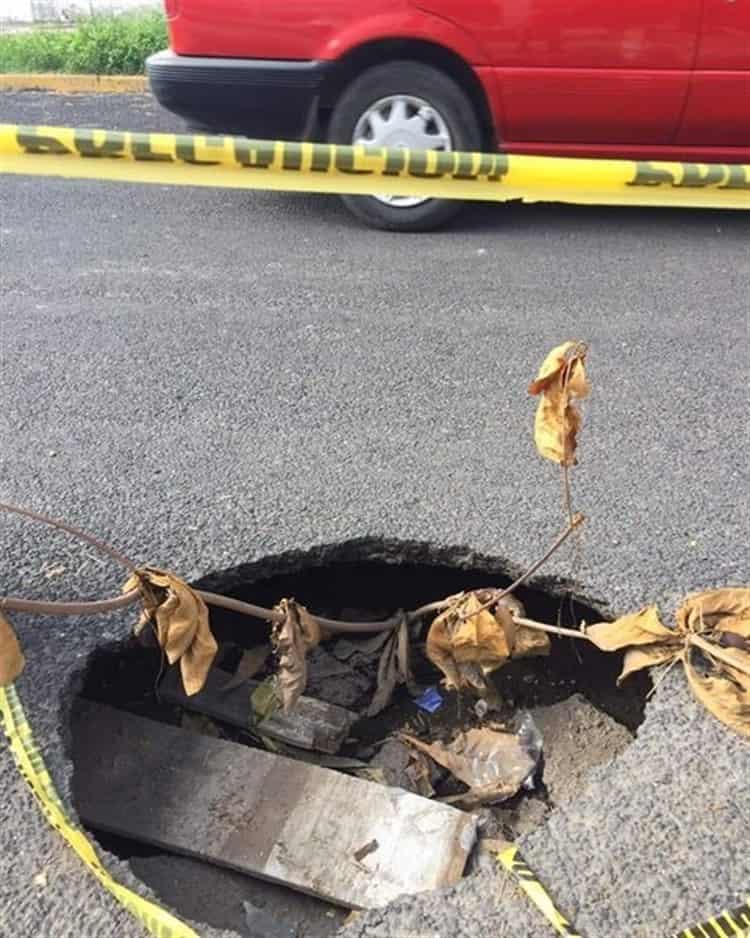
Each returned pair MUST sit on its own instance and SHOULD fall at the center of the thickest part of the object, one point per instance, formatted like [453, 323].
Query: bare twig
[567, 493]
[260, 612]
[551, 629]
[41, 608]
[499, 594]
[69, 529]
[436, 606]
[660, 677]
[717, 652]
[94, 607]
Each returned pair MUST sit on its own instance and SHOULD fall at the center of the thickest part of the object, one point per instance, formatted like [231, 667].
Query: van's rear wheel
[405, 104]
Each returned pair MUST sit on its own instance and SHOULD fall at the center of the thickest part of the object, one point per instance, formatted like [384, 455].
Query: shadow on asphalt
[547, 218]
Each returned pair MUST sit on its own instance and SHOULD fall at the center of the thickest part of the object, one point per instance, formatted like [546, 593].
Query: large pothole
[584, 719]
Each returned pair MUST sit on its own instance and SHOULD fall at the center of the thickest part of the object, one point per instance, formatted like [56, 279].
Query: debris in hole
[195, 795]
[347, 684]
[200, 724]
[348, 665]
[404, 767]
[313, 724]
[251, 662]
[430, 700]
[494, 764]
[260, 924]
[365, 851]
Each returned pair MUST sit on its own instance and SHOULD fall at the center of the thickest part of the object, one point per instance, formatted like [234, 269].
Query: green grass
[98, 45]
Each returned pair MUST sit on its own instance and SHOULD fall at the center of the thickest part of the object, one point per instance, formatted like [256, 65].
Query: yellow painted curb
[72, 84]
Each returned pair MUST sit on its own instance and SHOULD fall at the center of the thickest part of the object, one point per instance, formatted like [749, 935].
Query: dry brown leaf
[727, 609]
[725, 693]
[552, 367]
[639, 628]
[466, 642]
[292, 637]
[180, 617]
[646, 656]
[494, 765]
[394, 668]
[478, 637]
[711, 641]
[560, 383]
[11, 657]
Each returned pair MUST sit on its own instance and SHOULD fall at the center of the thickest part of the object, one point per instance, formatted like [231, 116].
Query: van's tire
[449, 115]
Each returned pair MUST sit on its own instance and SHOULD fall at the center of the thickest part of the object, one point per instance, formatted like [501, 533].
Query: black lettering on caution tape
[185, 149]
[111, 144]
[692, 176]
[140, 147]
[29, 139]
[738, 178]
[256, 154]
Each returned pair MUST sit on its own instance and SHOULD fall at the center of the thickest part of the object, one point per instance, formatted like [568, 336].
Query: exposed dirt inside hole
[583, 718]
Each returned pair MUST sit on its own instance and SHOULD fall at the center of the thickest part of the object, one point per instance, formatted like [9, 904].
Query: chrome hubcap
[401, 120]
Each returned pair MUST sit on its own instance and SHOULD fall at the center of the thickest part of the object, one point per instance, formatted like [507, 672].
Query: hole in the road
[584, 720]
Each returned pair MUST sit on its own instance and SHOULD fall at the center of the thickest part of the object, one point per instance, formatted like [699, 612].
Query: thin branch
[260, 612]
[559, 541]
[73, 531]
[436, 606]
[567, 493]
[717, 652]
[660, 677]
[551, 629]
[41, 608]
[94, 607]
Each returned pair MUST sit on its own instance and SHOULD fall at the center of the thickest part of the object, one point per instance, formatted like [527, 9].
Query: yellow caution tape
[526, 879]
[28, 759]
[735, 924]
[238, 162]
[162, 924]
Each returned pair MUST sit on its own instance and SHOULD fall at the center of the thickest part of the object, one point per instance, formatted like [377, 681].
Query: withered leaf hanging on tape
[561, 382]
[394, 668]
[11, 657]
[717, 657]
[466, 641]
[294, 634]
[638, 628]
[180, 618]
[712, 640]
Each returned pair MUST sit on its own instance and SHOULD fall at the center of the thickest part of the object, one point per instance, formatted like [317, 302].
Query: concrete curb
[72, 84]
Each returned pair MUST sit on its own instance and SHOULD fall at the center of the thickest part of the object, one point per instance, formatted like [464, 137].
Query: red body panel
[592, 77]
[718, 108]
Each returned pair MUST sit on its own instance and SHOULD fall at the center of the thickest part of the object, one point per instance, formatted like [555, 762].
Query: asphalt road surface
[207, 378]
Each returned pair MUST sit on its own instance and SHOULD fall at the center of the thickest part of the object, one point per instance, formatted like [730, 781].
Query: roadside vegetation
[99, 45]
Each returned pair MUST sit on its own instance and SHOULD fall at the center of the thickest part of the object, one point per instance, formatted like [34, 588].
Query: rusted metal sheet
[344, 839]
[313, 724]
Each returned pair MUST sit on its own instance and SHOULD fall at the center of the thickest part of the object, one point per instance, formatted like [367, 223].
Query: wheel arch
[358, 59]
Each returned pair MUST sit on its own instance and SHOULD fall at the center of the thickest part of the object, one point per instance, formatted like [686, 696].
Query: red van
[602, 78]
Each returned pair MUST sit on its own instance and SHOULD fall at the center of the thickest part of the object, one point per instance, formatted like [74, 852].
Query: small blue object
[431, 700]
